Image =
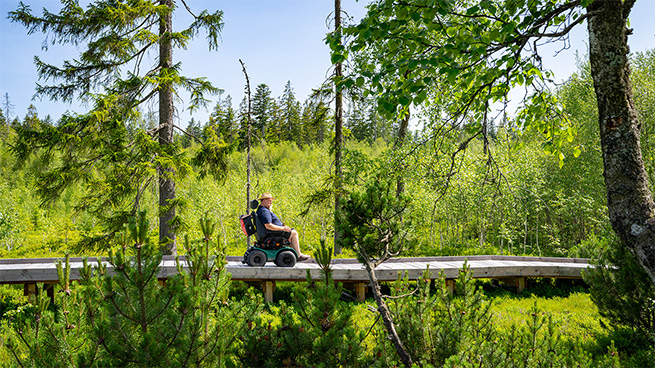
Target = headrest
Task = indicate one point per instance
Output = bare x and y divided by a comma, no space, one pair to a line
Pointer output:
254,204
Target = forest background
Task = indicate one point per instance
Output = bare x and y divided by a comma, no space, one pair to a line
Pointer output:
524,203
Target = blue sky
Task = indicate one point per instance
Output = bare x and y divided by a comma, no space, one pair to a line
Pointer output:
279,40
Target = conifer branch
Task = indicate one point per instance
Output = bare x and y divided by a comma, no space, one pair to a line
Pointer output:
16,358
163,309
189,134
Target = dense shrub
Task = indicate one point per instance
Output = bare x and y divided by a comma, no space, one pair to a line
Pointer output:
625,295
128,318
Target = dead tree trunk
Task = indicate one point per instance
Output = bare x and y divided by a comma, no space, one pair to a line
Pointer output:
248,134
387,319
400,141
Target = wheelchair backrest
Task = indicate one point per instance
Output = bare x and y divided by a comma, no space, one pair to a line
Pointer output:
261,229
249,223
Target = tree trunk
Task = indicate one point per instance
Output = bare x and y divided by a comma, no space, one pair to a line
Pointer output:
166,183
338,134
629,199
405,358
485,129
400,141
248,134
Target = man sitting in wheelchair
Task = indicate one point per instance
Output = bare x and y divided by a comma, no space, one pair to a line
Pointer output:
272,223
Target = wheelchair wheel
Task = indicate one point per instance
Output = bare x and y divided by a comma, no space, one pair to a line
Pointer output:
257,258
286,258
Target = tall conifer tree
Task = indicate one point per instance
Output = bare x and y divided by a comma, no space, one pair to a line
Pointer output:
261,109
110,74
290,110
338,121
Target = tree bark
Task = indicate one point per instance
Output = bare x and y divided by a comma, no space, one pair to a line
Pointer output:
629,199
400,141
387,319
166,183
338,132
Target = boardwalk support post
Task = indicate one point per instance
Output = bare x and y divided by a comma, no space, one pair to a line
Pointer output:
360,289
521,283
268,288
450,284
29,290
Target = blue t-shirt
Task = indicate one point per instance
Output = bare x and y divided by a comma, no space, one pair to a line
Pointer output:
268,217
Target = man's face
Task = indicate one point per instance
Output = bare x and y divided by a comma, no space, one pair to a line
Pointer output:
267,202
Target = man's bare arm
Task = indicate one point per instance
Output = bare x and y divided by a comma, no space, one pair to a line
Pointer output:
272,227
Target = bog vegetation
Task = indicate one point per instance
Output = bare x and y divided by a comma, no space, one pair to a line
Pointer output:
508,191
521,204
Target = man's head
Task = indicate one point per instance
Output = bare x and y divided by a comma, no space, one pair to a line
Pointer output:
266,200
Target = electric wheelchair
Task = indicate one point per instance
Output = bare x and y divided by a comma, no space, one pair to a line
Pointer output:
269,245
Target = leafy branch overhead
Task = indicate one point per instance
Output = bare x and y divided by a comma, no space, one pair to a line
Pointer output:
460,55
114,75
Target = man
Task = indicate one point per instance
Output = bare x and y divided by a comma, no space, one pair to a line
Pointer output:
272,223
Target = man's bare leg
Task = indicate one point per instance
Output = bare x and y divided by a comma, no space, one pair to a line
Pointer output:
295,243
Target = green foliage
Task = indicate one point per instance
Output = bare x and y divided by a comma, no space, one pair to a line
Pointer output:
516,201
282,334
643,76
467,329
434,324
10,298
370,221
317,329
634,348
623,292
458,55
534,343
127,318
475,215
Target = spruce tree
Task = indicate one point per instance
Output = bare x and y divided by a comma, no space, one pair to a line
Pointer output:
290,119
314,120
261,110
274,125
7,106
223,120
112,76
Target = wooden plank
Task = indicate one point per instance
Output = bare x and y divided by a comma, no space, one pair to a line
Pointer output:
44,270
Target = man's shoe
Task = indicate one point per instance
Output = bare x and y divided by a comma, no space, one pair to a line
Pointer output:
303,257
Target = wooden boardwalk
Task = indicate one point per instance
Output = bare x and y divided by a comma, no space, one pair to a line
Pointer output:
505,268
